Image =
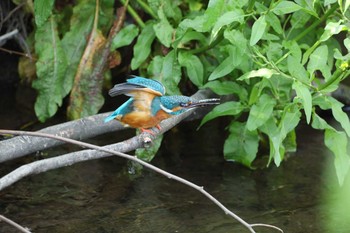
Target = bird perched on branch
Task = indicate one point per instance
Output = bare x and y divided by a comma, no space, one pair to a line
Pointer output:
148,106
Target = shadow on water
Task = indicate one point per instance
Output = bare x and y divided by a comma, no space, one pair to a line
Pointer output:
100,196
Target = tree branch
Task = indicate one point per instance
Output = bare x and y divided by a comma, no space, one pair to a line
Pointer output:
68,159
84,128
15,225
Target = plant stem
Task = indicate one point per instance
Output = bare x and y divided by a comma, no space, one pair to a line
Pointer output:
336,75
316,23
147,8
219,38
134,14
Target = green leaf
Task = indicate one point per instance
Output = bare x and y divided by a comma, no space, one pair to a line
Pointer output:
274,22
228,65
163,29
147,154
227,18
328,102
194,67
171,73
337,142
241,145
42,11
260,112
285,7
299,19
297,70
125,36
263,72
333,28
51,65
74,41
305,96
230,108
204,22
258,30
277,134
142,48
318,61
227,88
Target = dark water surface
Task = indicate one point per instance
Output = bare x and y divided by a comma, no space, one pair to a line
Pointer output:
100,195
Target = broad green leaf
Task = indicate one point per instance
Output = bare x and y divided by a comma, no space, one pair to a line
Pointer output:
74,41
147,154
163,29
339,114
294,49
319,123
227,18
194,67
50,68
308,6
299,19
263,72
274,22
227,88
333,28
260,112
337,142
277,134
297,70
125,36
305,97
318,61
204,22
230,108
346,5
285,7
171,73
258,30
42,10
328,102
142,48
274,51
86,97
236,38
228,65
329,2
241,145
154,69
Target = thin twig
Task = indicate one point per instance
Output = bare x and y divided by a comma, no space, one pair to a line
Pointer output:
12,223
132,158
8,35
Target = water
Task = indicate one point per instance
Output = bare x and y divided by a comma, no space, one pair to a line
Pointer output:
100,196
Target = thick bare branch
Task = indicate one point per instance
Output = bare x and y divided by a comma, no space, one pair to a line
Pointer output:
81,129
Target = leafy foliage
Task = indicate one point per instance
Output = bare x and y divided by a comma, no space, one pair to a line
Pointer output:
278,59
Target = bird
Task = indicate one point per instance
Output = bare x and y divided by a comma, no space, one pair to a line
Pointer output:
148,105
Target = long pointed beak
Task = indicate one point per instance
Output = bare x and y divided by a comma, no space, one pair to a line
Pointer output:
203,103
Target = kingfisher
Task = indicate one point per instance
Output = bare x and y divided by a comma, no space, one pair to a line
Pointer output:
148,105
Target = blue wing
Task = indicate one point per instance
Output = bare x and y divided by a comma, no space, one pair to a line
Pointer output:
122,110
138,84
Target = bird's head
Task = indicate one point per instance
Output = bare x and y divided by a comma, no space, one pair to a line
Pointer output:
178,104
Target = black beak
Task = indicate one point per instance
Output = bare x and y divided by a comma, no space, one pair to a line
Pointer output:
203,103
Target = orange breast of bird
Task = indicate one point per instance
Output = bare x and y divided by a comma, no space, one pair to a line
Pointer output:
141,116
